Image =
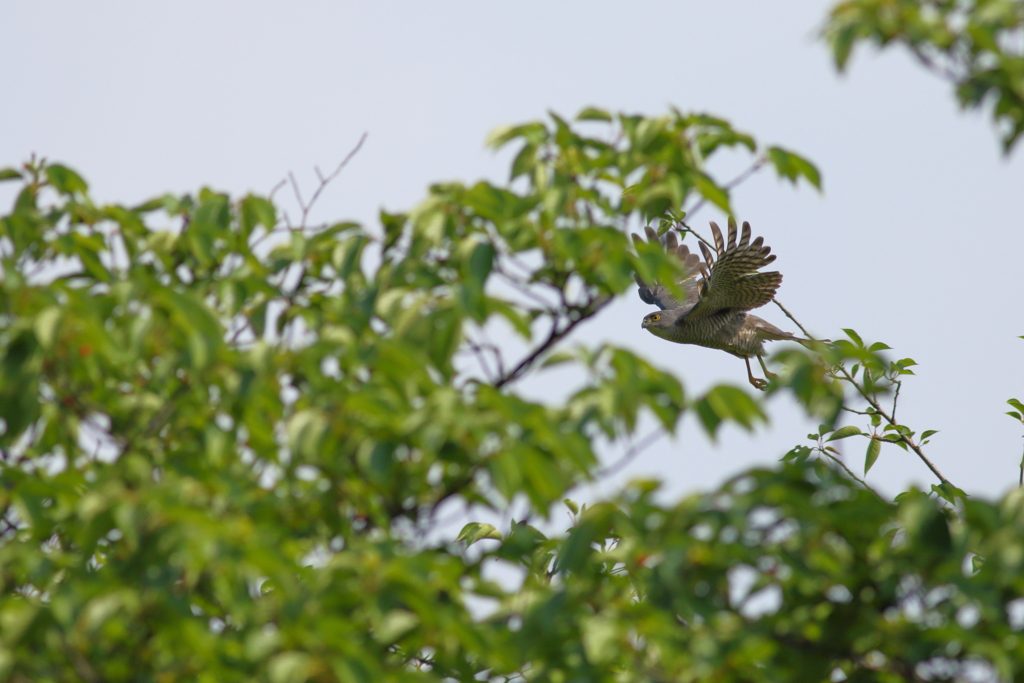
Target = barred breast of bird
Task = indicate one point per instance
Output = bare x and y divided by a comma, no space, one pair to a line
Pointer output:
724,332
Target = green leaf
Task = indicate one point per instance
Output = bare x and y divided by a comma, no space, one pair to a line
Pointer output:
577,548
257,211
594,114
481,261
290,667
396,624
524,163
854,336
476,531
792,167
46,325
9,174
558,358
728,403
948,492
797,454
533,132
65,180
844,432
711,191
874,448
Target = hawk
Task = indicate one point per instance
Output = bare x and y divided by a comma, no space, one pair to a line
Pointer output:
717,295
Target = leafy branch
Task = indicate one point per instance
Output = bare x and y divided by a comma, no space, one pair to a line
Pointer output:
868,390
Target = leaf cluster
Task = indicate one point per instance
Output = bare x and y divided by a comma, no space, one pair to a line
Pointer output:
974,44
796,573
225,439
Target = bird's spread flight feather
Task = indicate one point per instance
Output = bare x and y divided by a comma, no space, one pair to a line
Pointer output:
659,295
733,281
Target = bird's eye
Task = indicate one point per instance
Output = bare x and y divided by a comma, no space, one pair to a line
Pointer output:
655,317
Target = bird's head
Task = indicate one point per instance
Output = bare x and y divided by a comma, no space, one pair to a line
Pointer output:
657,323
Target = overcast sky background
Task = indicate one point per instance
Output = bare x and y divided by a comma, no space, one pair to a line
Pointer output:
916,240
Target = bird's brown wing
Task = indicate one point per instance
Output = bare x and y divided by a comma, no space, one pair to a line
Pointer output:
656,293
733,281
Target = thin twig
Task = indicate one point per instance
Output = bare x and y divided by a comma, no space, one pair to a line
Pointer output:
521,287
298,195
499,360
795,321
700,237
857,412
934,67
324,182
853,476
481,358
630,454
277,187
892,421
1021,483
896,397
761,161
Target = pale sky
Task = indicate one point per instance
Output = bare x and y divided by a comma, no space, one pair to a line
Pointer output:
916,241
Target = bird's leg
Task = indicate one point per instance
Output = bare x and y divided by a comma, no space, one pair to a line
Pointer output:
758,383
769,375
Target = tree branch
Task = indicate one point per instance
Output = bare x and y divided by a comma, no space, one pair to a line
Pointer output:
630,454
738,180
853,476
558,332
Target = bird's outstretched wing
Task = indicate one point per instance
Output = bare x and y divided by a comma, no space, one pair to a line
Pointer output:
656,293
732,281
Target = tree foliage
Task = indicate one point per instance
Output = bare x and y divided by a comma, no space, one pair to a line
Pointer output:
232,446
974,44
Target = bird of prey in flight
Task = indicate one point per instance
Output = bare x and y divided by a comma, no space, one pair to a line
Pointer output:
718,294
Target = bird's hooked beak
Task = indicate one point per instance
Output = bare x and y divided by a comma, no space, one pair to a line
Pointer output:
643,324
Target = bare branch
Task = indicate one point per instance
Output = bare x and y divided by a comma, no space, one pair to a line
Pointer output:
558,332
738,180
298,196
896,397
700,238
630,454
277,187
324,182
933,66
523,289
853,476
481,357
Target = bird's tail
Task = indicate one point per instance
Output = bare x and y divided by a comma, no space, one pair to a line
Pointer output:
768,332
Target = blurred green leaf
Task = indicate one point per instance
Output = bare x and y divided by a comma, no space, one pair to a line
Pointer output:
792,166
594,114
874,448
728,403
65,180
844,432
475,531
